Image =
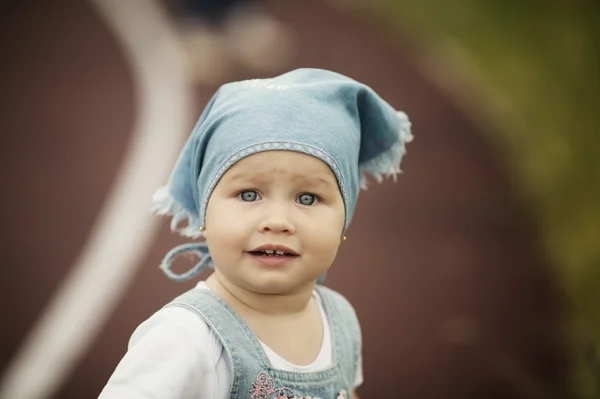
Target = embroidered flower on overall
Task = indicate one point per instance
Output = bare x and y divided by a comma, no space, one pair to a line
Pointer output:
264,388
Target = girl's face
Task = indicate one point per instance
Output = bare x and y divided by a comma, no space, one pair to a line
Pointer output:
275,200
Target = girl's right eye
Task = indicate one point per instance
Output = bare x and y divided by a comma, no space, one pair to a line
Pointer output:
249,196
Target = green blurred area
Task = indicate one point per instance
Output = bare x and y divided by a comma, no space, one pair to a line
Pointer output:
539,65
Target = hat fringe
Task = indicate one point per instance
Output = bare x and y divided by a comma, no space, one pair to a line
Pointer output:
387,164
163,203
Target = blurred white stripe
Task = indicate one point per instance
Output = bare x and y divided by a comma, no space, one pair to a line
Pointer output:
124,228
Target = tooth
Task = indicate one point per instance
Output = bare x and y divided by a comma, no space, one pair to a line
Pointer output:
269,251
280,252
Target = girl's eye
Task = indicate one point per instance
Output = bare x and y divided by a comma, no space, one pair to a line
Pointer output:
248,196
307,199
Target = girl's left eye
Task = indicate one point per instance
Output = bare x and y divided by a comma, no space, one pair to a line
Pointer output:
307,199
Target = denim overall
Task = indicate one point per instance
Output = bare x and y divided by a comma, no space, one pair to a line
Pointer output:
253,376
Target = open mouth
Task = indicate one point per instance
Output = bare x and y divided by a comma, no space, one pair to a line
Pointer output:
271,253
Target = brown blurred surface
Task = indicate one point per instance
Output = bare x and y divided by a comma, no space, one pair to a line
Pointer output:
442,267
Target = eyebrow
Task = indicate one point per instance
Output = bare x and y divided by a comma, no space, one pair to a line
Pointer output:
254,177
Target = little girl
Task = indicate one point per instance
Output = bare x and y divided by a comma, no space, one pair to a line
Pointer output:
270,178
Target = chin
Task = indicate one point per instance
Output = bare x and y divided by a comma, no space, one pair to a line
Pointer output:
276,286
272,287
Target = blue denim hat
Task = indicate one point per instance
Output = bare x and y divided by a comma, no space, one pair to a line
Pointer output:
336,119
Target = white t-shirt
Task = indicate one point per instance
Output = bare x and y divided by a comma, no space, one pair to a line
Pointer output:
175,355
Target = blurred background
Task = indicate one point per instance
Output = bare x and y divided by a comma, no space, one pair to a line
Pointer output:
476,275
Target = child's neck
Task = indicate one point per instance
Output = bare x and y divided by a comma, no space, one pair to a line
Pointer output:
244,300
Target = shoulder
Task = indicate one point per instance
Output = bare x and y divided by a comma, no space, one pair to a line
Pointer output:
179,327
337,301
172,354
343,310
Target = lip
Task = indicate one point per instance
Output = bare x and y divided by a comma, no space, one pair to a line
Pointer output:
273,261
272,247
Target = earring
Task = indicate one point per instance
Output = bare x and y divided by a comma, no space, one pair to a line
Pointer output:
343,238
202,228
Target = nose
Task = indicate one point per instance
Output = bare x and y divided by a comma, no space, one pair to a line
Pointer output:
277,222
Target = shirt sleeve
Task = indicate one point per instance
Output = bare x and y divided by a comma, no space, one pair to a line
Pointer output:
172,355
359,362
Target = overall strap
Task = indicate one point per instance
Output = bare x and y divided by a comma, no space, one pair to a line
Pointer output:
245,353
345,331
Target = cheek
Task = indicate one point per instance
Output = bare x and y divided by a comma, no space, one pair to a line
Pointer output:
324,235
220,215
326,249
225,246
225,228
338,219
